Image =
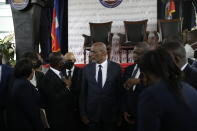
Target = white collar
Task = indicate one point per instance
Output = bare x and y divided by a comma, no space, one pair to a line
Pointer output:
183,67
33,80
56,72
72,69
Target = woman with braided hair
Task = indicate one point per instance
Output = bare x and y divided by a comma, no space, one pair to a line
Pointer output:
168,104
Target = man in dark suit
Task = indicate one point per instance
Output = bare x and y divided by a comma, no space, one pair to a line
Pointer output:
133,86
178,53
100,91
5,72
73,74
57,96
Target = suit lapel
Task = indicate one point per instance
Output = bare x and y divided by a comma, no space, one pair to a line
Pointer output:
109,73
75,73
55,77
93,72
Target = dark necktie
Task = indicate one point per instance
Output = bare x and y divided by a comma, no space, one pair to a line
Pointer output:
69,73
100,77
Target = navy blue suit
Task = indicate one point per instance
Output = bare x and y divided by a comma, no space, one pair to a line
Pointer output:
5,74
23,108
101,104
160,110
190,76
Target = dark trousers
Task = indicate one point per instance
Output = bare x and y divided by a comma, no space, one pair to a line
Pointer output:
2,119
132,127
128,127
101,126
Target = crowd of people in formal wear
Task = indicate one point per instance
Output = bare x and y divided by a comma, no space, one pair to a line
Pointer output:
156,93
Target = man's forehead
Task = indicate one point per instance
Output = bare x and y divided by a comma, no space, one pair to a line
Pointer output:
70,56
96,48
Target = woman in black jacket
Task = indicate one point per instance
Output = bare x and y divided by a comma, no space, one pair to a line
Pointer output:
23,109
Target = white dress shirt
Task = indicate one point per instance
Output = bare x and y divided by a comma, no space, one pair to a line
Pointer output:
183,67
72,70
0,72
137,75
56,72
104,71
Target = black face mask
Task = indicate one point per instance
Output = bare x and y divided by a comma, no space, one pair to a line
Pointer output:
68,65
37,64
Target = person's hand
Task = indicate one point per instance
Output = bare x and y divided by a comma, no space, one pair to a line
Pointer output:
131,82
126,117
85,120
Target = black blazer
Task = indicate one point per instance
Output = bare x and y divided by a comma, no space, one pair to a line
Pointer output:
23,107
6,72
130,98
190,76
76,86
101,104
39,76
58,101
76,80
160,110
5,75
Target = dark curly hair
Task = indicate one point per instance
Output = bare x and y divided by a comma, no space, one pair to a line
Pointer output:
23,68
